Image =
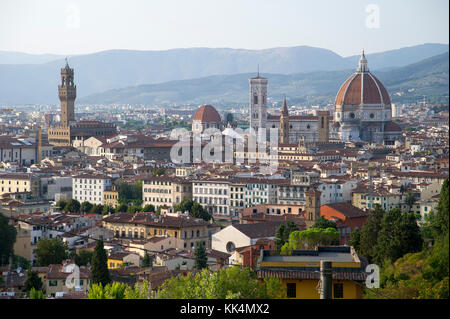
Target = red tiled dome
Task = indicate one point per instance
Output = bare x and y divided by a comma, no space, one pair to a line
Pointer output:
362,87
207,114
373,91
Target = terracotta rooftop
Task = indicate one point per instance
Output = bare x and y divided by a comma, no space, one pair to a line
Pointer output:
207,113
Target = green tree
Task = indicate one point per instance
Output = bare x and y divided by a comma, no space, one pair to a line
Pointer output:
115,290
282,234
122,208
229,283
61,204
355,240
33,281
108,209
72,206
8,235
36,294
147,261
398,236
410,200
439,221
130,193
310,239
195,209
324,223
369,233
133,209
86,207
99,265
148,208
83,258
201,259
21,262
97,209
50,251
158,172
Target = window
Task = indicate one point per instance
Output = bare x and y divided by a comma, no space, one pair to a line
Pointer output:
338,290
53,283
230,246
291,290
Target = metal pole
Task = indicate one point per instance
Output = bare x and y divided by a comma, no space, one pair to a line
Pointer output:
325,279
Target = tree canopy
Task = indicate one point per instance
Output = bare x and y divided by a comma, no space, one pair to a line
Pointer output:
8,235
324,223
50,251
419,275
310,239
130,193
195,209
33,281
99,265
72,206
399,235
282,234
201,259
229,283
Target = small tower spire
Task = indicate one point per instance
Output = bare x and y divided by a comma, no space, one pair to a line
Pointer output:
67,63
284,109
284,123
362,65
258,70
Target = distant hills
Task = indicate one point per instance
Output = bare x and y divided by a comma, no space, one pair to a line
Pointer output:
428,77
10,57
299,70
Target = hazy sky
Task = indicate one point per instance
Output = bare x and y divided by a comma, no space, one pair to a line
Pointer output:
344,26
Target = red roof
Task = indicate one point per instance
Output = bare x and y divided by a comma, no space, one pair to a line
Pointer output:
392,127
207,113
373,91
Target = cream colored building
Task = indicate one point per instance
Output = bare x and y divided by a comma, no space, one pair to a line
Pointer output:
20,182
184,229
165,191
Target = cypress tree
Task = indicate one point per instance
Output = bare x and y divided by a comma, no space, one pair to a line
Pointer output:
201,259
99,269
147,261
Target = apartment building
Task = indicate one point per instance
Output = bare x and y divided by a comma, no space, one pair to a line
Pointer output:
90,187
188,232
213,195
20,182
165,191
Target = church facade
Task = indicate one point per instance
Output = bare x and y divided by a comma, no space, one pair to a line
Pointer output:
291,128
362,112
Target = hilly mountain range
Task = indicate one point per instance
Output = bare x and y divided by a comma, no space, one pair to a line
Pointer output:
427,77
36,82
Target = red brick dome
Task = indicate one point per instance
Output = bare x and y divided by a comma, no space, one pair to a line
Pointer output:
362,87
207,114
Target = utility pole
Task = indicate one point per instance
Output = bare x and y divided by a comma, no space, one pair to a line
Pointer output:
326,278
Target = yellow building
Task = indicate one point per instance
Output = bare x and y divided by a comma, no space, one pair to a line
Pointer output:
20,182
188,232
111,197
119,259
115,262
300,272
165,191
